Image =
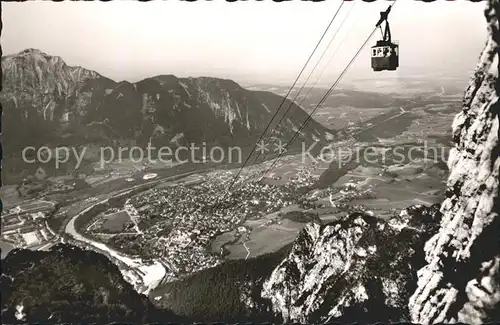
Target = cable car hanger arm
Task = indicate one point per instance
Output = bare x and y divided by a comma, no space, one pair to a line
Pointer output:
387,32
383,16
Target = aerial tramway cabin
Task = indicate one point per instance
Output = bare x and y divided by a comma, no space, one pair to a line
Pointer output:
385,53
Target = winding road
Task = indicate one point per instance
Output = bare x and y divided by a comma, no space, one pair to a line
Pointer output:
248,250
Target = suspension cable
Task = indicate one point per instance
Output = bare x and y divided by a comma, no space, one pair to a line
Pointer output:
317,106
278,109
305,82
322,100
320,75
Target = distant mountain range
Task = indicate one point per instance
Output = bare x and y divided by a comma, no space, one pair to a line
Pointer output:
43,97
47,102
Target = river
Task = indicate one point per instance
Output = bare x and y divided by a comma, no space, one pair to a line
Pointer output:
151,275
6,248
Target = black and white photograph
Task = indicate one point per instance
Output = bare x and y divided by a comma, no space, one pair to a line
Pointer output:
273,162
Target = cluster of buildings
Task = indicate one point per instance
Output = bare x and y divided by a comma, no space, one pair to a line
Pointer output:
35,186
187,218
28,230
60,186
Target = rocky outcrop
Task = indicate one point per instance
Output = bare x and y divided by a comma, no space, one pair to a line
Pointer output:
461,279
360,268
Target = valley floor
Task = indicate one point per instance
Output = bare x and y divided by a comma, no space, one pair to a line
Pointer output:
162,223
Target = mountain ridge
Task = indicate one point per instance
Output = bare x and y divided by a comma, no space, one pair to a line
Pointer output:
468,240
35,73
46,102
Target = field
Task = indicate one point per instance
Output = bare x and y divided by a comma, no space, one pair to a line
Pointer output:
401,186
336,117
264,235
386,126
398,175
398,191
266,239
9,195
115,222
262,238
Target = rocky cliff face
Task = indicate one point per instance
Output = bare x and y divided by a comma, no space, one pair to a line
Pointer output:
461,281
360,269
40,94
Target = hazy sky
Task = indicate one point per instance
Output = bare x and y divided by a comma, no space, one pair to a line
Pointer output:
246,40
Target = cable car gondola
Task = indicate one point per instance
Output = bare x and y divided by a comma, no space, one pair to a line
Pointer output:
385,53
